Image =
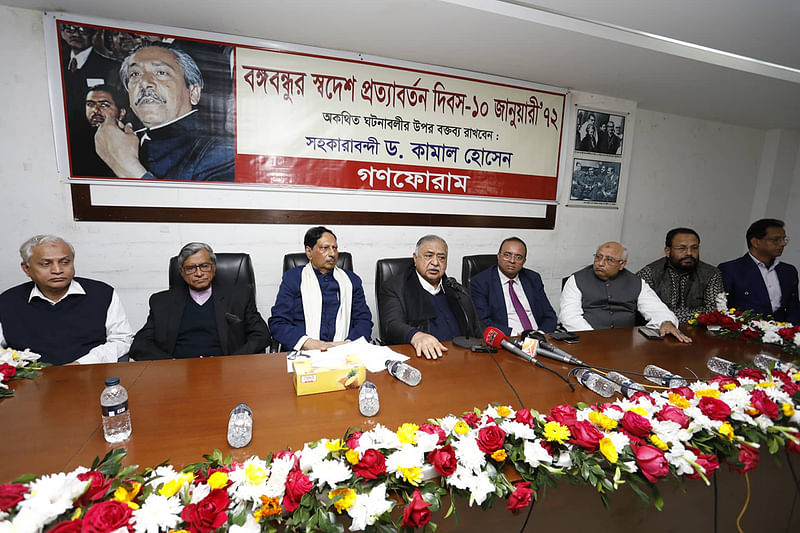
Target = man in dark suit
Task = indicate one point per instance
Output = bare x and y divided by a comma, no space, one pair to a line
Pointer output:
423,307
512,298
202,317
759,280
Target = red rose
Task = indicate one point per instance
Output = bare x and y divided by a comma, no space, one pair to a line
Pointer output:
721,380
520,498
713,408
7,371
673,414
752,373
564,414
524,416
748,457
651,462
371,465
760,400
352,440
208,514
98,485
585,435
786,333
471,419
727,322
106,516
70,526
636,395
416,513
297,484
443,460
636,424
708,462
491,438
709,319
11,494
433,429
749,334
686,392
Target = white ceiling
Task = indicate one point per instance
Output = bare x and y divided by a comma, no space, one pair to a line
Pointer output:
736,61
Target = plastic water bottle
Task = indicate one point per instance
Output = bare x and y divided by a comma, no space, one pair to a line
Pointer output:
659,376
721,366
240,426
767,362
116,415
405,373
626,385
368,402
595,382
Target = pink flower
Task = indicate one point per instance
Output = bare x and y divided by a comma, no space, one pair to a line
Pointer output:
651,462
520,498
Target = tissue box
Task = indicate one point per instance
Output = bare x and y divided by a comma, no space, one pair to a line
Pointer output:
312,376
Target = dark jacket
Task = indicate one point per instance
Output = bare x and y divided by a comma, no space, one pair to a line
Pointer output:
746,290
487,294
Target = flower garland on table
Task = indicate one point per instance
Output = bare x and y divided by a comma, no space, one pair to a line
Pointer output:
384,480
16,365
751,327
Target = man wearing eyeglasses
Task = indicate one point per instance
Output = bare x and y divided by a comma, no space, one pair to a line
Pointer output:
758,280
683,282
604,295
509,297
201,318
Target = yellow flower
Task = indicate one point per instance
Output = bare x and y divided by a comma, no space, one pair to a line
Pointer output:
692,321
641,411
732,310
599,419
218,480
499,455
127,496
660,444
351,456
413,474
334,445
77,514
553,431
697,315
407,433
503,411
710,393
608,450
461,427
347,497
726,430
796,376
766,384
788,409
171,488
254,474
178,531
678,401
270,507
729,386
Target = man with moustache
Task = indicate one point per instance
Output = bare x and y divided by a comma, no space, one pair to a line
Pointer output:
102,102
758,280
320,305
164,86
63,318
604,295
683,282
200,318
423,307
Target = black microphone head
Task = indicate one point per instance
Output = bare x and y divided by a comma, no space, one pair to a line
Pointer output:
532,334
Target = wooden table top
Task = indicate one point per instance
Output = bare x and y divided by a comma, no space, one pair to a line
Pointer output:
180,408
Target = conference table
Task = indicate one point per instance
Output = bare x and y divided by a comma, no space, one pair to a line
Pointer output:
180,411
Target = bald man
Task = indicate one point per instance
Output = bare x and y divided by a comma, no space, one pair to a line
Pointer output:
604,295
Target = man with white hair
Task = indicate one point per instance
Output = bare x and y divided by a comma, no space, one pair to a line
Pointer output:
604,295
63,318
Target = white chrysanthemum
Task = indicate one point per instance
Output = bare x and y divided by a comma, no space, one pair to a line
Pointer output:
157,513
330,472
740,416
448,423
379,437
535,454
405,457
583,414
468,453
49,496
249,480
777,395
250,526
614,414
427,442
276,484
678,457
26,521
310,457
491,411
670,432
772,337
518,429
698,421
368,507
746,382
738,399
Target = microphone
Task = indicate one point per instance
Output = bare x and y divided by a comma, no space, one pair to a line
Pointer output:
495,337
546,349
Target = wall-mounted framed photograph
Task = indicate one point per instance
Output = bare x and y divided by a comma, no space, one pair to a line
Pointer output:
598,132
594,182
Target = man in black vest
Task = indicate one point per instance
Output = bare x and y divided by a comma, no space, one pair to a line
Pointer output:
423,307
62,318
604,295
200,318
683,282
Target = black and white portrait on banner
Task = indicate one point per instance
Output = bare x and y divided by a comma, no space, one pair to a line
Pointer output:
595,182
599,133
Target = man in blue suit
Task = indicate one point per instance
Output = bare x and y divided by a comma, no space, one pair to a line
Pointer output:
512,298
759,280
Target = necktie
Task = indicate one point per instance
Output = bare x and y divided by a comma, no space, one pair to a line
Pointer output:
73,65
523,316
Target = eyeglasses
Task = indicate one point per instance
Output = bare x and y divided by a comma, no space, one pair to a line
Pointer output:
776,240
508,256
600,258
74,29
204,267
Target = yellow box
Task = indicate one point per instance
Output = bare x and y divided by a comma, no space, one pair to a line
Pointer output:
324,376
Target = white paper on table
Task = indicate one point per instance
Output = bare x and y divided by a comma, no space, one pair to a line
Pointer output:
374,357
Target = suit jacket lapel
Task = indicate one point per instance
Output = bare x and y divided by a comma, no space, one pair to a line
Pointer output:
758,281
221,297
496,296
177,303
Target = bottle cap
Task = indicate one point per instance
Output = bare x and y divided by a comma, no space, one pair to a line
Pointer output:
110,382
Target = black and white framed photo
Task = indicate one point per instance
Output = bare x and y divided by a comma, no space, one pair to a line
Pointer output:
595,182
598,132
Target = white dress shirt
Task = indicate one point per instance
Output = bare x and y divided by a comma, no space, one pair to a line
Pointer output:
770,277
513,319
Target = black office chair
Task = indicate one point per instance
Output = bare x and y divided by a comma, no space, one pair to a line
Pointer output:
290,261
473,264
386,269
232,269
